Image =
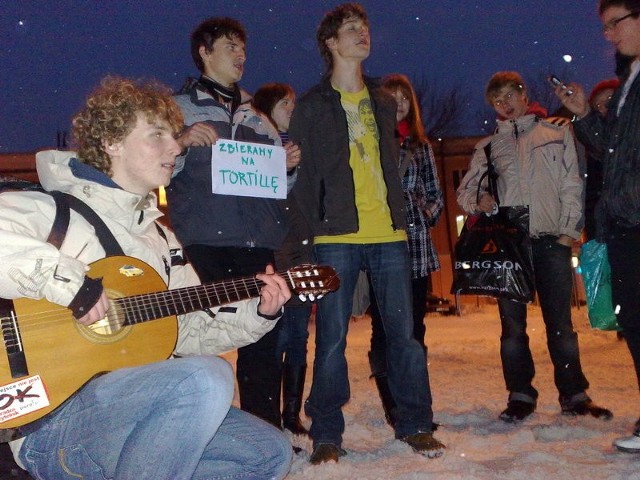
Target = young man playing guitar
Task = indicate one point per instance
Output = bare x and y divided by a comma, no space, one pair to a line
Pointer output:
165,420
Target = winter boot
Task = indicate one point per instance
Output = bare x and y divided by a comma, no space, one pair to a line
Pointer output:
292,388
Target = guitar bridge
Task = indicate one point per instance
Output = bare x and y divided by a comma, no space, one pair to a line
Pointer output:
12,340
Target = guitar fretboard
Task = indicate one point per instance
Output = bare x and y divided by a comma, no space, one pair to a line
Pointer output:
150,306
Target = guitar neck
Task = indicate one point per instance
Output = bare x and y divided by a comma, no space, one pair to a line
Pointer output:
150,306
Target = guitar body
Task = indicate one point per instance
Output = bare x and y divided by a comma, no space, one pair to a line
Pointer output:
46,355
65,354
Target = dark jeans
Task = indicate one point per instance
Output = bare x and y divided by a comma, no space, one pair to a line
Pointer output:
624,256
388,266
258,369
294,333
378,353
553,281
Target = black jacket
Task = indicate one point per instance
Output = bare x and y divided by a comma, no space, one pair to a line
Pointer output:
617,138
324,190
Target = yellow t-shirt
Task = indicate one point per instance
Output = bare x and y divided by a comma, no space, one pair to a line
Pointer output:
374,217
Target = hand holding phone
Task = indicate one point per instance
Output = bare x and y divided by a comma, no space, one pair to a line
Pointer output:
556,82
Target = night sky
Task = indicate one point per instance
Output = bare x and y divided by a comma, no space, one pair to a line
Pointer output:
53,52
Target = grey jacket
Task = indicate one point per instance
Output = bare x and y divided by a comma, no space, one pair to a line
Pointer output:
537,166
201,217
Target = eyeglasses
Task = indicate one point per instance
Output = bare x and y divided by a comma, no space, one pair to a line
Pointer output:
612,24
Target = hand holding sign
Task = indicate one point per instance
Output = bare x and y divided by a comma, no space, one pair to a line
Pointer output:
293,155
199,134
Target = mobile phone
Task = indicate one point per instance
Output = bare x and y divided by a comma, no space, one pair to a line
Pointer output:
556,82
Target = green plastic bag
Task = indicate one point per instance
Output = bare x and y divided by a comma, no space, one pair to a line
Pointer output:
596,272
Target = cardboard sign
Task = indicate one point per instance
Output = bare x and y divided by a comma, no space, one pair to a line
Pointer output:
248,169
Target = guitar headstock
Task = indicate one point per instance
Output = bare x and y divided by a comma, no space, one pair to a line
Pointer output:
312,281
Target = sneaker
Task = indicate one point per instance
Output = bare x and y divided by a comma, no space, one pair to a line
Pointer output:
629,444
425,444
587,407
326,452
516,411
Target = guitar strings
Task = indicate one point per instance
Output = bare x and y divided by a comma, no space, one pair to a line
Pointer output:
188,296
189,299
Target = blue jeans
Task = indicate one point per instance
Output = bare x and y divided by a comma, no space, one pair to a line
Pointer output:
167,420
378,352
294,333
553,281
390,272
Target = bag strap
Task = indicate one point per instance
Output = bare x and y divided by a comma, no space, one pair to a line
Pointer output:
106,238
406,158
492,177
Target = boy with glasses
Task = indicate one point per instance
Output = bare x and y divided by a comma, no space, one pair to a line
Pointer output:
617,214
537,166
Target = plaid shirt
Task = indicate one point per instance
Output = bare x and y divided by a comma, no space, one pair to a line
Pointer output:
424,205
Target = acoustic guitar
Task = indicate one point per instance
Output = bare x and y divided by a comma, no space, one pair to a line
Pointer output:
48,355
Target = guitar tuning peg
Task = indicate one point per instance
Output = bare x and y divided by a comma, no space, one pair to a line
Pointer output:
303,298
312,297
320,296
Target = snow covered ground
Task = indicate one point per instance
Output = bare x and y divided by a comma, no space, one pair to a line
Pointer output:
468,391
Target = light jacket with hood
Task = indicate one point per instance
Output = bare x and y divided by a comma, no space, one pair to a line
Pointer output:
537,166
28,263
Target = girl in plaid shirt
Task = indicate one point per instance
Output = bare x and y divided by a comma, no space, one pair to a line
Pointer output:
424,203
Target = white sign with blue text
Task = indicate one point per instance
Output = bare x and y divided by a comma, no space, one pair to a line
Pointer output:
248,169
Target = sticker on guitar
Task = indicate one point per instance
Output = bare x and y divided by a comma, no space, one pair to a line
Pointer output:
22,397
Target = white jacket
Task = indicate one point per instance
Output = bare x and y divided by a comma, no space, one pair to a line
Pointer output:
28,262
537,166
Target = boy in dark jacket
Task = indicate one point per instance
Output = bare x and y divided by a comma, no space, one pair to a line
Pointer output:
350,193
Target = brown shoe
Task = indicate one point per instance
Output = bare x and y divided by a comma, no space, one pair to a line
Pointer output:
425,444
326,452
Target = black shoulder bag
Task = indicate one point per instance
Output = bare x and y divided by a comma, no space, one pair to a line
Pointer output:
493,251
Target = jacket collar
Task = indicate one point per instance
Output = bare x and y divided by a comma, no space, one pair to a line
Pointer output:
63,171
519,125
200,94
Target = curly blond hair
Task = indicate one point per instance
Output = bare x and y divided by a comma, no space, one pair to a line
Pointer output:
111,113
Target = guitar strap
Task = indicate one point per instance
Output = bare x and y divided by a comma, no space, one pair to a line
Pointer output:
64,202
60,222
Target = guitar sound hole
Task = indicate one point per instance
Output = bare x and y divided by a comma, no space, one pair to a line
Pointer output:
106,326
107,330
